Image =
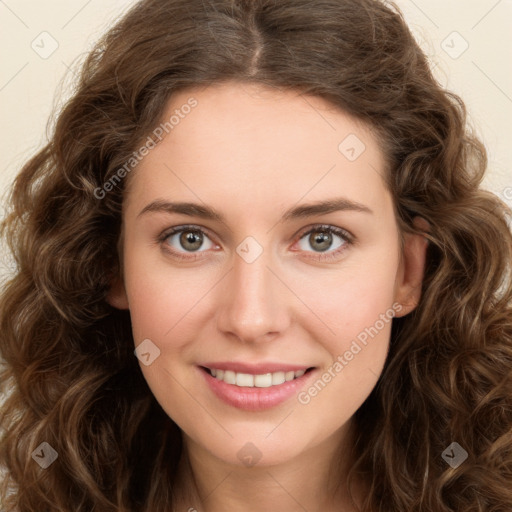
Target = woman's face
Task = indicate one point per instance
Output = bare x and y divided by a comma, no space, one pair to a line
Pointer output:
255,283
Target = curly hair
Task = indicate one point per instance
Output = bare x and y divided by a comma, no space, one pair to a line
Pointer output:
69,372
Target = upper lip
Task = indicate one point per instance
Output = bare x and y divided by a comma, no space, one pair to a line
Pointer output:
255,369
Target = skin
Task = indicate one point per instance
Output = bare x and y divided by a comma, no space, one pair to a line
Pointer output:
251,153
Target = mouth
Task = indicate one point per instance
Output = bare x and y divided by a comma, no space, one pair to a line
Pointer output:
251,380
254,388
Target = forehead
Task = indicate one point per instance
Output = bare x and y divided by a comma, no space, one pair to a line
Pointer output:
266,143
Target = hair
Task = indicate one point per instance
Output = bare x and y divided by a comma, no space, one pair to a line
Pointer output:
69,373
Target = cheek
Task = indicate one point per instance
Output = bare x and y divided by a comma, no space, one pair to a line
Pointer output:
359,311
161,299
351,300
357,306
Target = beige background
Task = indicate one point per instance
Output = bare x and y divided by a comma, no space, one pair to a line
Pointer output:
31,77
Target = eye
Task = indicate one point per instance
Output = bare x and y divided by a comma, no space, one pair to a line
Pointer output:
186,239
185,242
322,238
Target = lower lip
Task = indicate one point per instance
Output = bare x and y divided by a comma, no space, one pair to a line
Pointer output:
254,399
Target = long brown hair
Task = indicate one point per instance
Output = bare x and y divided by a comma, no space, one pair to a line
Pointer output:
69,370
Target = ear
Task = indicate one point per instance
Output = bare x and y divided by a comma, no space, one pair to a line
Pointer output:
412,267
117,296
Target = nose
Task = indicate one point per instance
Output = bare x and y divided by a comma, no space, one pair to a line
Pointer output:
253,302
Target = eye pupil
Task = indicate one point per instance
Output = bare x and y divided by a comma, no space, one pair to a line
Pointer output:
192,237
324,239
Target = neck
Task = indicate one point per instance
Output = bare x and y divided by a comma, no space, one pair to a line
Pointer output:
315,480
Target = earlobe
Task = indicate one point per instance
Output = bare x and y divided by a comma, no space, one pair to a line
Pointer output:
117,296
412,268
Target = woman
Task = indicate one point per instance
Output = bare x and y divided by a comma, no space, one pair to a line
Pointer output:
256,269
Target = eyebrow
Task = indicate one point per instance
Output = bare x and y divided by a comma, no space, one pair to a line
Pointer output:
297,212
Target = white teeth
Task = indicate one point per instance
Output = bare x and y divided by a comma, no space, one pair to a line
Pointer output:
263,381
247,380
278,378
229,377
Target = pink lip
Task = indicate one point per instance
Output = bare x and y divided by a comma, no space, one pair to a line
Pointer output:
255,369
254,399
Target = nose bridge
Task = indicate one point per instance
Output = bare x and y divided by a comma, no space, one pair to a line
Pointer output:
252,304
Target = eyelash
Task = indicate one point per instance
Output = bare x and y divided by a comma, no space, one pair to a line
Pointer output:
320,256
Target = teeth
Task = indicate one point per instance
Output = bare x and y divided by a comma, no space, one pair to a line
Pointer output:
247,380
229,377
263,381
277,378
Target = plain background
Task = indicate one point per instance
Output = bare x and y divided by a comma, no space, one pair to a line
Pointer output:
469,44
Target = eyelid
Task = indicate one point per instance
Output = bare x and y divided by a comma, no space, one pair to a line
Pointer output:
327,227
185,227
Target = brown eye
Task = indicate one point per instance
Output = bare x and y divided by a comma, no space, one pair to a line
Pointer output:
320,240
191,240
325,242
183,240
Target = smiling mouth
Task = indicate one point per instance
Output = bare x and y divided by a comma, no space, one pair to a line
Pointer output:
248,380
